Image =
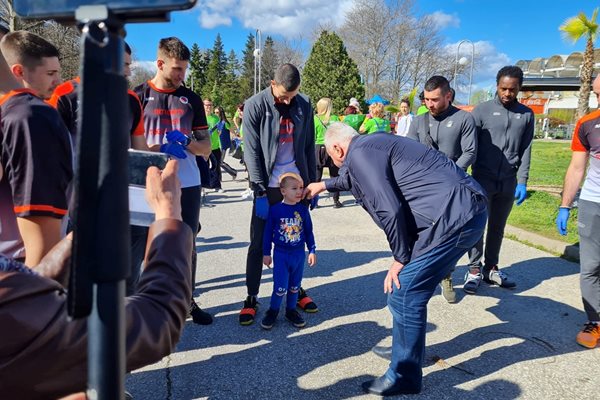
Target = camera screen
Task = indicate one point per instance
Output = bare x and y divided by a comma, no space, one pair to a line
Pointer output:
65,8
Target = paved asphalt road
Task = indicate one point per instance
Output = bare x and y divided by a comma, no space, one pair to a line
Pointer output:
499,344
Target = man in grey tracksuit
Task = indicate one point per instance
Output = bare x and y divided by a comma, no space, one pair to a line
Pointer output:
278,138
449,130
502,167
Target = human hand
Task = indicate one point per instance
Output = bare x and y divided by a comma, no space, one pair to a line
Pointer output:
267,261
173,149
520,193
163,191
392,277
312,259
261,206
561,220
313,190
177,136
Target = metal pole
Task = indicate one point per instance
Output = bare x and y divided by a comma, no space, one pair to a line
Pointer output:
471,75
455,83
259,60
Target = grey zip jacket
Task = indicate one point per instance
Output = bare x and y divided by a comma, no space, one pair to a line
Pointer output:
505,137
261,138
453,131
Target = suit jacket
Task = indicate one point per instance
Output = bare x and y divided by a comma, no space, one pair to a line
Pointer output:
43,354
417,195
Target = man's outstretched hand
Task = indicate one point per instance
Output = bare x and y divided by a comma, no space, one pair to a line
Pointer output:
313,190
163,191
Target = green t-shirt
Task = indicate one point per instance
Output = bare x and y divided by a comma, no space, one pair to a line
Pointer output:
213,120
372,125
354,120
422,110
321,127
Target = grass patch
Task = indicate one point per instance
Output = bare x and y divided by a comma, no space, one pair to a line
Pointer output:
549,162
528,243
538,213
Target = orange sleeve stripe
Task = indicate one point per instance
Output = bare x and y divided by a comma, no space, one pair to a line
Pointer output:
61,90
139,129
15,92
199,128
39,207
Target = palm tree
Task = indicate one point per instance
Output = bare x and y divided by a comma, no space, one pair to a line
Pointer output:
573,29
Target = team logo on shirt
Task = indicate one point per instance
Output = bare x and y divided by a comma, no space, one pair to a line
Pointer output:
496,113
184,100
518,116
449,124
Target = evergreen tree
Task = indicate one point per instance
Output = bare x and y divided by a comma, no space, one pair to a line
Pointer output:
246,79
270,62
215,72
330,72
230,87
197,72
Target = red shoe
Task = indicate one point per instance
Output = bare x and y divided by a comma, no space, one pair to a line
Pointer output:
248,312
306,303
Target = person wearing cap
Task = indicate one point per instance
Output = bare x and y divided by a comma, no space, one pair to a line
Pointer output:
288,228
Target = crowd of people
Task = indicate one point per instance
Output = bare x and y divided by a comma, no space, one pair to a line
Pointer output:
412,180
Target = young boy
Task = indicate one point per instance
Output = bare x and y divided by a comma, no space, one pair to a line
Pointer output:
289,227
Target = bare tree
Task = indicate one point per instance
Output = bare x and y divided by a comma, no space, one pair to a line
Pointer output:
65,38
290,51
139,75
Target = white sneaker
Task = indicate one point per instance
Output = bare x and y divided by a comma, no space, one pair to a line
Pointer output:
472,282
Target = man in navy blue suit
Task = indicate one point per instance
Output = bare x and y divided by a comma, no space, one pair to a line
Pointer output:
431,211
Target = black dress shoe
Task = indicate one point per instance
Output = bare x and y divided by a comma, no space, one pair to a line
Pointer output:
383,352
382,386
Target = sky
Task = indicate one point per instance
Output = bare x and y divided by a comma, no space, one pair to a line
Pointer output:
503,32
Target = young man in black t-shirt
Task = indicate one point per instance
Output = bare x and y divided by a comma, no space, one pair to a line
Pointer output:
35,154
169,106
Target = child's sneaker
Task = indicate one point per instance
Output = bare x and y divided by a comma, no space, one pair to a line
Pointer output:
589,336
269,320
248,311
306,303
294,317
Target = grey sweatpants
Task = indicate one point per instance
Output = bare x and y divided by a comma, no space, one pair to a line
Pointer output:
501,195
589,255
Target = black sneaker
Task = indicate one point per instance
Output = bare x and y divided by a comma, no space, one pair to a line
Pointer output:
269,320
199,316
294,317
337,204
248,312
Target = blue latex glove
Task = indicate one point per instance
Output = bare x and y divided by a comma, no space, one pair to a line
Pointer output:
314,202
176,136
520,193
261,206
561,220
173,149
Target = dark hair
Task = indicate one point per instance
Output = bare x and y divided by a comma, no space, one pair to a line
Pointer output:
437,82
405,100
172,47
221,112
453,94
350,110
26,48
127,48
422,96
512,71
288,76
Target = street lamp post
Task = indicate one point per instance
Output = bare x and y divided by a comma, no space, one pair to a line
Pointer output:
257,61
464,61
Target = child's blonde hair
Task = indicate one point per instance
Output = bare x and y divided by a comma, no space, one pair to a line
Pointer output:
284,179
